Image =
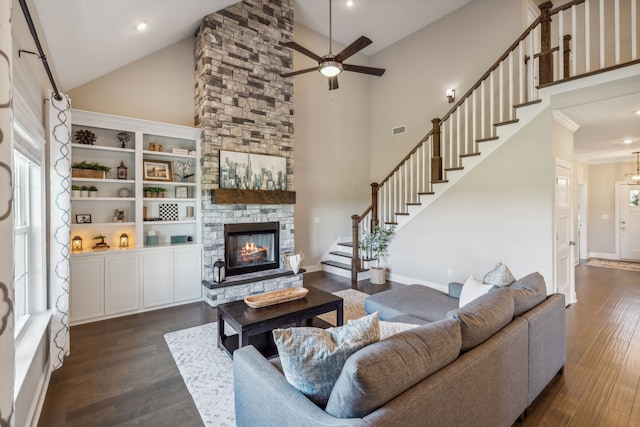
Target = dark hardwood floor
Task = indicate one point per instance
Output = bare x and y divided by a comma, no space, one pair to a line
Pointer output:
121,373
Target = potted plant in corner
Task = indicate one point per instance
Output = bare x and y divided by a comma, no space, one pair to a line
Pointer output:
376,243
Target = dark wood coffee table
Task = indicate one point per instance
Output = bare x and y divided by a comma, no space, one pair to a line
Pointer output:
254,325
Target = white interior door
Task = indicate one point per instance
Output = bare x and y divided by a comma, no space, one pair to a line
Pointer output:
564,270
629,214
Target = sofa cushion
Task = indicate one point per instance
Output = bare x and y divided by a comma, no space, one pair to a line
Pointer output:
405,318
415,300
483,317
528,292
379,372
500,276
312,358
471,290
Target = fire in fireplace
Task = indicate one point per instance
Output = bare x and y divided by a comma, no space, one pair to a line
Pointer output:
251,247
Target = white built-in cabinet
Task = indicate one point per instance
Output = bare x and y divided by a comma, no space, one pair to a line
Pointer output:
117,281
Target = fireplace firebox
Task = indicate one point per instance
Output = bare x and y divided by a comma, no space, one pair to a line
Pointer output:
251,247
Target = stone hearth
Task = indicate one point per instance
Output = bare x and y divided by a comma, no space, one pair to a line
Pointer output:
244,105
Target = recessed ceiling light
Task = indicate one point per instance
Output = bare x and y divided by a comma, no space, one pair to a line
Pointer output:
350,3
638,112
627,141
141,26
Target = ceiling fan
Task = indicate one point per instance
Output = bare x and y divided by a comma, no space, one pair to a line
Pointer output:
331,65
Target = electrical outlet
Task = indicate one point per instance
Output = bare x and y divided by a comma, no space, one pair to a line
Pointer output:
449,272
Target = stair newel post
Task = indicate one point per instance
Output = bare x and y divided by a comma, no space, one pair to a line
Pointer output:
374,205
546,56
355,249
436,157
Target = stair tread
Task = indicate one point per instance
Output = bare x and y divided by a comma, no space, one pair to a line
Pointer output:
413,203
459,168
402,213
348,255
391,223
491,138
341,265
442,181
507,122
426,193
470,154
524,104
347,244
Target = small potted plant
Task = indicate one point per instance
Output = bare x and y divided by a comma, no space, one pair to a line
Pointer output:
75,191
376,243
161,191
84,191
93,191
147,192
101,244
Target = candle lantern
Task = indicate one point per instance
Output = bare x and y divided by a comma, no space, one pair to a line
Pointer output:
122,171
219,273
124,240
76,243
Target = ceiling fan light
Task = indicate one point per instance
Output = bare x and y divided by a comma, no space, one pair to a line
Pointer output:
330,68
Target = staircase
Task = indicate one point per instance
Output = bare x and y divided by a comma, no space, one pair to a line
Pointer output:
504,100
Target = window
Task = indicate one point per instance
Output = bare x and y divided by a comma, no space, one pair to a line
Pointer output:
29,246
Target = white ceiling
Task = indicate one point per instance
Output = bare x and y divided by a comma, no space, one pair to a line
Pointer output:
90,38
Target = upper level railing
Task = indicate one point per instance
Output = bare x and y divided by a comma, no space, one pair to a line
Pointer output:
574,40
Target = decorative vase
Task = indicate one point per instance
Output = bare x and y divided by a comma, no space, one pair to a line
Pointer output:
75,193
295,260
84,193
93,193
378,275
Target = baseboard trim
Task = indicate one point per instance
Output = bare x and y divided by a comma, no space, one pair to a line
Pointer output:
604,255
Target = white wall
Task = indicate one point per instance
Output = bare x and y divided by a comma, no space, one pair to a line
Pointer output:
501,211
331,150
158,87
453,52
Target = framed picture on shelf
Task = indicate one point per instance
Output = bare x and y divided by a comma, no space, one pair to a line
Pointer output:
182,192
83,219
120,215
157,170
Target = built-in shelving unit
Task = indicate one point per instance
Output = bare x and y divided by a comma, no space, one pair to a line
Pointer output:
172,212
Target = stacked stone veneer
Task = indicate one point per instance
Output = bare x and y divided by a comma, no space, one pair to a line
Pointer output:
244,105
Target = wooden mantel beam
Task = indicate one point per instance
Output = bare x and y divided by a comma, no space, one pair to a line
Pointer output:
224,196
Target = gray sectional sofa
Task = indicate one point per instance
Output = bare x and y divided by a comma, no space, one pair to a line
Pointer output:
478,365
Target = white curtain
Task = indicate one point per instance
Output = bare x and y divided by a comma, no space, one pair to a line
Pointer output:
7,372
59,137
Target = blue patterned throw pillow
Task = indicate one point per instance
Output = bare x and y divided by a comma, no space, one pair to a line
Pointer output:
312,358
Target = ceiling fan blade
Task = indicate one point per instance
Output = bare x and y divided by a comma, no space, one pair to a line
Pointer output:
333,83
295,73
302,50
353,48
364,70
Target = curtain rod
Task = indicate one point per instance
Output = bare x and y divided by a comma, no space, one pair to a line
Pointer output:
41,55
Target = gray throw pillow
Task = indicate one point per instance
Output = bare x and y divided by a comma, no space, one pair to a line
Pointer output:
312,358
500,276
379,372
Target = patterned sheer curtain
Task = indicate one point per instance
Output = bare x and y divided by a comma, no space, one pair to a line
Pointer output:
6,219
59,133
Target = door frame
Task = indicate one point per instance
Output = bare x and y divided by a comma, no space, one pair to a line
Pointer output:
583,247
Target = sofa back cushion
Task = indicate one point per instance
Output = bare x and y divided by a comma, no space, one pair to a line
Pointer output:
381,371
528,292
483,317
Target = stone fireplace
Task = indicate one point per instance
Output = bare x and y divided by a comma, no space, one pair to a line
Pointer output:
244,105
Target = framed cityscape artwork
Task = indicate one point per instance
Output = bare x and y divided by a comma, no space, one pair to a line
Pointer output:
245,171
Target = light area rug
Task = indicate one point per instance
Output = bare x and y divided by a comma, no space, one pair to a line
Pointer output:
208,371
620,265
